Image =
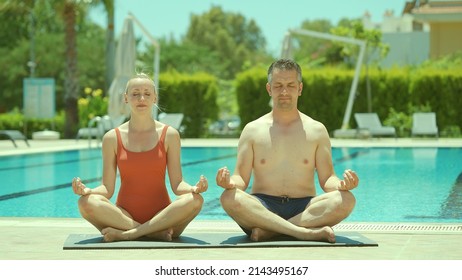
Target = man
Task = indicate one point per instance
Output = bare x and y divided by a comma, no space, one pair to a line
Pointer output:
283,149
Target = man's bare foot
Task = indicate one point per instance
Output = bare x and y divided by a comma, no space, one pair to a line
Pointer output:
259,234
319,234
164,235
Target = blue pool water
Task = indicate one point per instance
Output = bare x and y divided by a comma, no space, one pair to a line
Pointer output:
396,184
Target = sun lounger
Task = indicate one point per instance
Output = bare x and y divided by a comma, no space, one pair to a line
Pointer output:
14,135
371,122
424,124
97,127
172,119
91,131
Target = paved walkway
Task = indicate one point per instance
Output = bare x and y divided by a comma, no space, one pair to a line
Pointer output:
43,239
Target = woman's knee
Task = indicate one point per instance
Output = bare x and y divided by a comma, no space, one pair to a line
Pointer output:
194,201
198,201
87,203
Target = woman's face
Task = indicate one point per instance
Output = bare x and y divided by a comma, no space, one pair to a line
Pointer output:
141,94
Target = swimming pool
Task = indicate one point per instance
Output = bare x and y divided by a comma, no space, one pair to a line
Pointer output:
397,184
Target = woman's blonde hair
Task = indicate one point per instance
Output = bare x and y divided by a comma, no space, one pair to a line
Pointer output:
140,76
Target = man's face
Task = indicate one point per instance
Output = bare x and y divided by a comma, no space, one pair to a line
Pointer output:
284,89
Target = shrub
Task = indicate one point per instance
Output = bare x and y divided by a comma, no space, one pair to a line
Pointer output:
91,105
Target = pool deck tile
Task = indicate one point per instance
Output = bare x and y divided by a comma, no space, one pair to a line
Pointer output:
38,146
43,239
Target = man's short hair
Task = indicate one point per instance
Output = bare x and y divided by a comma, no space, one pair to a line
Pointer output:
284,64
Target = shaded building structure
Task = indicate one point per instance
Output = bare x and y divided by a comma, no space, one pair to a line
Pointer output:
445,20
423,30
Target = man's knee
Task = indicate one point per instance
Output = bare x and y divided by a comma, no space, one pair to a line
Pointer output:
228,199
347,201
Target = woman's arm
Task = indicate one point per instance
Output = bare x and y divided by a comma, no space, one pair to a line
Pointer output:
109,150
173,149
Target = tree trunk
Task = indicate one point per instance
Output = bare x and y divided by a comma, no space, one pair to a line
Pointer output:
71,86
110,43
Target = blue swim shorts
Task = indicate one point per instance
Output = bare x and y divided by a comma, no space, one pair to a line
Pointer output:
282,206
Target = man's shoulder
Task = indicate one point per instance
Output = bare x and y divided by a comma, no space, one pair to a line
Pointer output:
307,120
315,127
257,122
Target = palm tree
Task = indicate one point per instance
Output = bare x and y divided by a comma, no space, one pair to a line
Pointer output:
110,43
68,10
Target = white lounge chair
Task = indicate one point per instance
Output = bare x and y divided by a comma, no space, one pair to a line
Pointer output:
371,122
172,119
14,135
98,126
424,124
93,130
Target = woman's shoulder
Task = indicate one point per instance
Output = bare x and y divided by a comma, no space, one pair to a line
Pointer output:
111,134
171,134
109,141
160,126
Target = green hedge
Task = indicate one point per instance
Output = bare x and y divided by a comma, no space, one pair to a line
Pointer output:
442,90
325,94
193,95
16,121
395,94
252,97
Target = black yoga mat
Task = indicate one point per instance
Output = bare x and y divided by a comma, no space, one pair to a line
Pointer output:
211,240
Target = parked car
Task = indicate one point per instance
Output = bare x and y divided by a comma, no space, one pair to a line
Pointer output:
225,126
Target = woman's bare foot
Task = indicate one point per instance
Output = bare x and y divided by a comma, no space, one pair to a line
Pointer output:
112,234
164,235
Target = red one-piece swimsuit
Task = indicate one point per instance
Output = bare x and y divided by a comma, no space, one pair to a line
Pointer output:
142,174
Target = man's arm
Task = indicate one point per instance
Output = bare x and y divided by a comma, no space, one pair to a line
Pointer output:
243,170
325,169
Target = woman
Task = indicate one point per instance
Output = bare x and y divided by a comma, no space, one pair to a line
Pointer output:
142,149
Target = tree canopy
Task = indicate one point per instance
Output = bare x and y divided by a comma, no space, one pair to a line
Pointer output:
236,40
217,42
